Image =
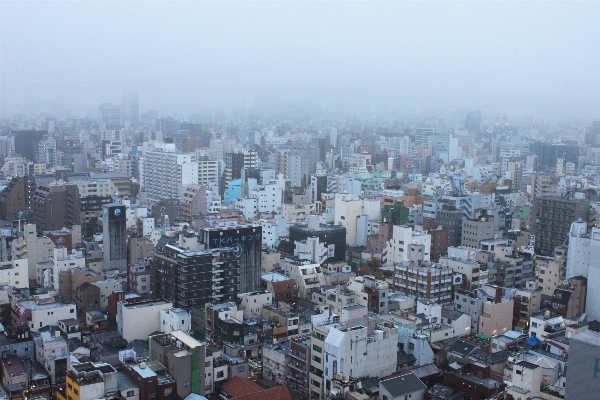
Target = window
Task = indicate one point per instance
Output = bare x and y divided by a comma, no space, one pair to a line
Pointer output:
411,346
187,383
241,369
317,348
152,394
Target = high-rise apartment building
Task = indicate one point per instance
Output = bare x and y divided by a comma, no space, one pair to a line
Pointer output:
55,206
552,218
208,170
297,164
190,278
543,185
165,174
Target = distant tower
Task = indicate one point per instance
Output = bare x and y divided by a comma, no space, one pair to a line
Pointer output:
130,108
114,224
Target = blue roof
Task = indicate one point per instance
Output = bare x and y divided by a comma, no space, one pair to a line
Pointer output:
533,341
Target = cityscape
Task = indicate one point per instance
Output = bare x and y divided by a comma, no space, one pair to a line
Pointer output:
294,201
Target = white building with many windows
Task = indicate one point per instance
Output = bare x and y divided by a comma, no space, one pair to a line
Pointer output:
165,174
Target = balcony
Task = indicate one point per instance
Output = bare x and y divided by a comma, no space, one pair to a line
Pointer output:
553,328
297,366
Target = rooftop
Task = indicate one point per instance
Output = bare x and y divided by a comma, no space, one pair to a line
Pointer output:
145,304
589,336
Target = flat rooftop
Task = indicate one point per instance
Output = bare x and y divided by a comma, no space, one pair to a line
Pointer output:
145,304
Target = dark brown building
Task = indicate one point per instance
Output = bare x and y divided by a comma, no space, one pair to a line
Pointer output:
120,295
16,197
55,206
475,380
568,299
285,290
189,278
440,238
87,298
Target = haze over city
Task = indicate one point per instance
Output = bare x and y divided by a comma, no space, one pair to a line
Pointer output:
531,60
289,200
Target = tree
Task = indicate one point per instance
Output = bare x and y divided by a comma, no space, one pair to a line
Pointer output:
365,270
374,263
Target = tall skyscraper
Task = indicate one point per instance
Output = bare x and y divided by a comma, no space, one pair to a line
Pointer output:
114,224
130,108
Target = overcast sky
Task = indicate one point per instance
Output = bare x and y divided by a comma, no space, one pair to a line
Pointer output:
540,59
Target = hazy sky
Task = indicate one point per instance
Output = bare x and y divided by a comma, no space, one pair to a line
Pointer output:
536,58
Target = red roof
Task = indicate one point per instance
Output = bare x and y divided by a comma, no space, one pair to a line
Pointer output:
237,386
284,286
276,393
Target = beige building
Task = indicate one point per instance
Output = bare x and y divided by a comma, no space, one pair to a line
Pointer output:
474,231
528,301
139,320
71,279
270,260
547,273
295,212
140,250
496,318
35,249
15,273
107,287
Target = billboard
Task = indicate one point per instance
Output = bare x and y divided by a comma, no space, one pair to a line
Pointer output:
331,251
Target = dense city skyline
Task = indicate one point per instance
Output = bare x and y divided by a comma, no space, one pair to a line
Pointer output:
299,200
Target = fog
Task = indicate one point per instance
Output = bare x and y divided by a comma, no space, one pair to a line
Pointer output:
524,58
